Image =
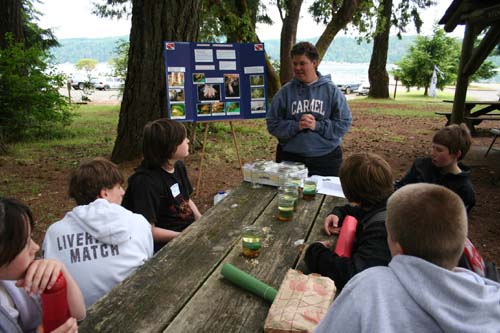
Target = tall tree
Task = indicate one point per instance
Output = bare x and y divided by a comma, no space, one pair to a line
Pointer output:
387,16
377,73
144,94
336,14
11,20
289,13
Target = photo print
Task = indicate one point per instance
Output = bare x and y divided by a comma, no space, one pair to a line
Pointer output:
257,92
258,107
232,86
176,79
256,80
203,110
232,108
218,109
176,95
178,111
209,92
199,78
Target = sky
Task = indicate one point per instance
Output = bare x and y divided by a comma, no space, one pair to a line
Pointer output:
73,19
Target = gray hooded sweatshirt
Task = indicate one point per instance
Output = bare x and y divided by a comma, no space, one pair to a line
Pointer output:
413,295
101,244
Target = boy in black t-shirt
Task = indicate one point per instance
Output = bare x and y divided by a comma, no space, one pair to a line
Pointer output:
160,189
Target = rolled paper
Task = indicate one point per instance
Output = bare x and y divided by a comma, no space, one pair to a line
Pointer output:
248,282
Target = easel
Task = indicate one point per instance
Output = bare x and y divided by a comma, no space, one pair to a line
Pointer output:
200,163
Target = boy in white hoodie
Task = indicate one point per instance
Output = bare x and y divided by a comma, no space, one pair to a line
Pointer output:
421,290
99,241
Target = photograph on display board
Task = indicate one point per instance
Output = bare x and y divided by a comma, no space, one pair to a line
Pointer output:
176,95
256,80
257,92
232,86
258,106
218,109
209,92
203,110
232,108
178,111
199,78
176,79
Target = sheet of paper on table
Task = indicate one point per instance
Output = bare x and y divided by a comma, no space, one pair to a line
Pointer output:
329,186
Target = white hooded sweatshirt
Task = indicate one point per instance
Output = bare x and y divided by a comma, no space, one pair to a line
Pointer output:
414,295
101,244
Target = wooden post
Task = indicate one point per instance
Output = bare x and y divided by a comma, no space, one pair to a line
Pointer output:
236,146
396,78
200,163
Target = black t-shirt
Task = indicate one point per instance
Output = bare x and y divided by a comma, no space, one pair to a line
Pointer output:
161,197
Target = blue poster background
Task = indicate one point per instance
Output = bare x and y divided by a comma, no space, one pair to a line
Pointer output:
215,81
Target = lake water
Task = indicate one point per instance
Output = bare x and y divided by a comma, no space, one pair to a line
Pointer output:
341,72
358,72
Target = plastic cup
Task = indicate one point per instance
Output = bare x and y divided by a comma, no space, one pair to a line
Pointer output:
310,189
285,207
252,241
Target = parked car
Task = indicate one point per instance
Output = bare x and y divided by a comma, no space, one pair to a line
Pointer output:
363,89
107,82
348,88
79,82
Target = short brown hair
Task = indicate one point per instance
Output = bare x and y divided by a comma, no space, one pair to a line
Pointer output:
160,141
91,177
454,137
305,48
15,220
429,221
366,178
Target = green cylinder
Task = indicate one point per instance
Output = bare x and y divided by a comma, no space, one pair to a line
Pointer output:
248,282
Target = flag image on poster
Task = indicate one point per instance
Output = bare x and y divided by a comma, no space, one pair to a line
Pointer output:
212,81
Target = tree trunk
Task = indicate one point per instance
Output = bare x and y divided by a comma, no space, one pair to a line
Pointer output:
339,20
144,96
288,37
377,72
11,21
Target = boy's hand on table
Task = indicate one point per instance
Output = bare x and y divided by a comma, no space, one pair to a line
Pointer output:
332,225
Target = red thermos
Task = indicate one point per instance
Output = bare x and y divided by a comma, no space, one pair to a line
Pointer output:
55,305
347,235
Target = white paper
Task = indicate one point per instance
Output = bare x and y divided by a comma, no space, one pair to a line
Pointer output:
225,54
176,69
203,55
254,70
227,65
205,67
329,186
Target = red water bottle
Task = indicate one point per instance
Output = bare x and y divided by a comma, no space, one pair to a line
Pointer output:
347,235
55,305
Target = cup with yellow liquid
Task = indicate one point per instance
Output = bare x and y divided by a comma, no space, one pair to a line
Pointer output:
285,207
252,241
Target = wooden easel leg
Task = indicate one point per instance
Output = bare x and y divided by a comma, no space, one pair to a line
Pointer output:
200,164
236,146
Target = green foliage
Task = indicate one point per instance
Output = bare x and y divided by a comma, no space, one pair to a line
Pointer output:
120,62
416,67
30,104
415,70
88,65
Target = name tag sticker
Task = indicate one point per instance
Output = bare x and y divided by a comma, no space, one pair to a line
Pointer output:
175,190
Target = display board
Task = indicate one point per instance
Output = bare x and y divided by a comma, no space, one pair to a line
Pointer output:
214,81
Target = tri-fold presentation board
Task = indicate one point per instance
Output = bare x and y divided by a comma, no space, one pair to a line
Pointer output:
215,81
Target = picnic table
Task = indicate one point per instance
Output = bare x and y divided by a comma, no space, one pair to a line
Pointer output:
181,288
487,111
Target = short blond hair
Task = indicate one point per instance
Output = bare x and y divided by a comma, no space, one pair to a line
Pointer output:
428,221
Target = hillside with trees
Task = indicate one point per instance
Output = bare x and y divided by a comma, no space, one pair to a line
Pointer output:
343,49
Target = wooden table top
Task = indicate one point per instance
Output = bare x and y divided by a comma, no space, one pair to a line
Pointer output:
181,289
